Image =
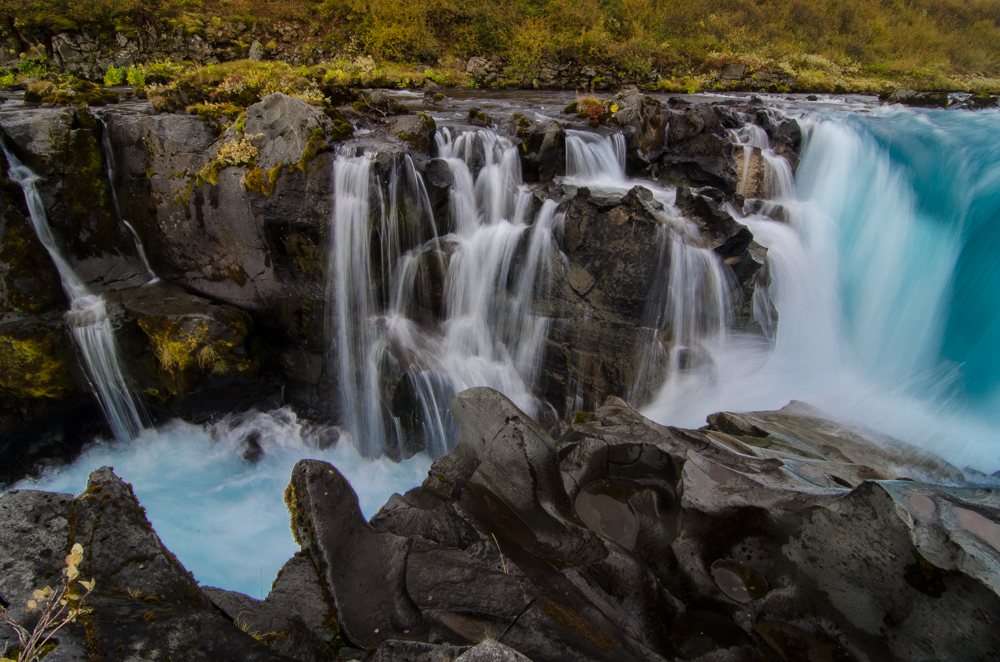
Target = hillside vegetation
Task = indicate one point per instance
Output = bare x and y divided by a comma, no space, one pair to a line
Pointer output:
864,44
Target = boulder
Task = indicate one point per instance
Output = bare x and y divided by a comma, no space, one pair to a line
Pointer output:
644,121
363,570
293,131
145,604
543,148
416,130
38,359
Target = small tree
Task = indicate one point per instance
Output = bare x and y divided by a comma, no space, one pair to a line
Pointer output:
56,609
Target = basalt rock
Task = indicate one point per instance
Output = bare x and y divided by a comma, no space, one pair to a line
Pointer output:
145,604
698,151
644,121
542,147
599,293
772,535
190,337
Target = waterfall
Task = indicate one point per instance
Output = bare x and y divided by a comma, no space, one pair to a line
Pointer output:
687,324
458,311
109,159
87,317
594,160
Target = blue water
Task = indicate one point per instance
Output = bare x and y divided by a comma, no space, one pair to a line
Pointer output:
222,516
887,283
918,234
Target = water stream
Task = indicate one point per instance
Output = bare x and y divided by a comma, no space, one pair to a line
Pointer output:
109,160
87,318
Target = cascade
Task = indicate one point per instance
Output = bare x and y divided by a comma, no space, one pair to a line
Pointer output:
595,160
87,318
109,159
880,276
406,357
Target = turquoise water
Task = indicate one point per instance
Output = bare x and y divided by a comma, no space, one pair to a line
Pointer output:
886,279
915,199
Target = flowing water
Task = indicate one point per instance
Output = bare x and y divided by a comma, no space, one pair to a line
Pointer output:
404,368
885,282
87,318
109,160
883,272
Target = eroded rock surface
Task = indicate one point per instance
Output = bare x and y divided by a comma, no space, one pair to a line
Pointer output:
763,536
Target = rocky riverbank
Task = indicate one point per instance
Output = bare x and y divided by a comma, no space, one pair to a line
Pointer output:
771,535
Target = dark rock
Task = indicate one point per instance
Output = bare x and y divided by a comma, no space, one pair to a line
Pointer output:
296,618
644,122
917,99
62,146
417,130
543,148
288,126
599,294
327,523
698,149
145,603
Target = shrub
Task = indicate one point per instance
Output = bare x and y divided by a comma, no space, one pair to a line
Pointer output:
55,610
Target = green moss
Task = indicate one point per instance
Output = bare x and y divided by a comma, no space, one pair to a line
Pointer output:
257,181
217,115
191,347
34,362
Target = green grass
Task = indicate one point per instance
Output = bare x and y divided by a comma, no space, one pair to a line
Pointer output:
863,45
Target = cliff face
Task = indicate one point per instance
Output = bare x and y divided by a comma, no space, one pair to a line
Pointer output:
235,219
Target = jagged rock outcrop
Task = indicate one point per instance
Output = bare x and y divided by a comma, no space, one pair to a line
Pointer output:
145,604
776,535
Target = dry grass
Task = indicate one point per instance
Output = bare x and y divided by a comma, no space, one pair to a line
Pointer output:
862,43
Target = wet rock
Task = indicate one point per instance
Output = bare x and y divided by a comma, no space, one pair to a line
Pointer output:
145,603
416,130
191,338
751,172
543,148
698,150
644,121
62,146
29,282
599,295
917,99
38,359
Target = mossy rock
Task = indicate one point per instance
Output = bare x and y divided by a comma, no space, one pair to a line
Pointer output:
36,359
78,93
192,338
417,130
217,115
30,282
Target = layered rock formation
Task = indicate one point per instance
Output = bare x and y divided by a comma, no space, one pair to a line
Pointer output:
773,535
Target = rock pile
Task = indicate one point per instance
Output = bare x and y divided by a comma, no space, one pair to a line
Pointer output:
773,535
